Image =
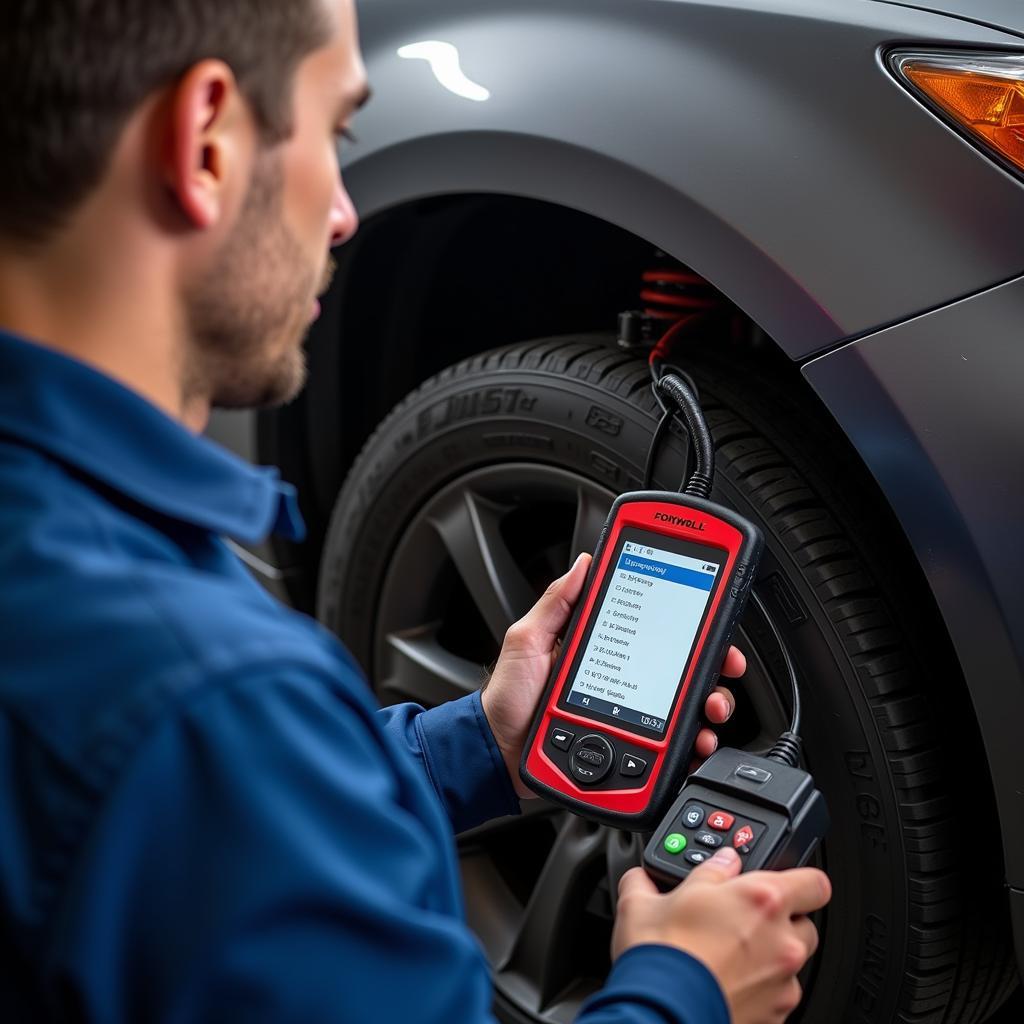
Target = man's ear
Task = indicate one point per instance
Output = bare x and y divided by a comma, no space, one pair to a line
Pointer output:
209,144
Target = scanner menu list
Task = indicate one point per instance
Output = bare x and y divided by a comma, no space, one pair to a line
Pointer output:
642,634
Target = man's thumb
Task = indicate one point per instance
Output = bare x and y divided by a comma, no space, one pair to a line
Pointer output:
547,618
723,865
572,582
636,881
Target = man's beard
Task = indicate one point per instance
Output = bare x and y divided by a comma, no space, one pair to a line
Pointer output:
248,313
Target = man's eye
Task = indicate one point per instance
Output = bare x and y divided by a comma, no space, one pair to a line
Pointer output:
344,133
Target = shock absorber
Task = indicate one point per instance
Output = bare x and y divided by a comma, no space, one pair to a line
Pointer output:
672,295
673,299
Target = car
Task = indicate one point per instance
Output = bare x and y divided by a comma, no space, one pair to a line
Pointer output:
824,200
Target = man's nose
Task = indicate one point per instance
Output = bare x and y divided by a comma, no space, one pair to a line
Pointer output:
344,219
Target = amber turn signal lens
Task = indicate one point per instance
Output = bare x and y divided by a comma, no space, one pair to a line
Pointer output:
984,95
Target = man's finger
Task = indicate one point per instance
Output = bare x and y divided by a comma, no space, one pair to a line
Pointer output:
720,705
807,934
705,744
804,889
735,663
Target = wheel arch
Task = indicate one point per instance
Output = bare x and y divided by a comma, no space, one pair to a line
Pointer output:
432,280
572,177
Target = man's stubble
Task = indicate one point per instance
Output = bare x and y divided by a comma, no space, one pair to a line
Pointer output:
248,314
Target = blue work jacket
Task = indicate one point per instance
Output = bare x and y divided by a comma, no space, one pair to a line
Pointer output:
204,816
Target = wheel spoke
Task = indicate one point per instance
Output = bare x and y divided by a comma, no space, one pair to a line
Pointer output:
491,909
541,953
624,851
531,810
591,513
470,527
418,668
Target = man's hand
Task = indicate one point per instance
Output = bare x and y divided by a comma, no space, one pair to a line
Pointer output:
510,696
750,931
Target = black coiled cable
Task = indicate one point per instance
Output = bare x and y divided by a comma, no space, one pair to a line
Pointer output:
699,484
677,395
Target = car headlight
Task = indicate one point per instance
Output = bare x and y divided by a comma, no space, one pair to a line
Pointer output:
979,94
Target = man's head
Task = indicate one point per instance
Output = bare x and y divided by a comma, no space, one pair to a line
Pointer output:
205,135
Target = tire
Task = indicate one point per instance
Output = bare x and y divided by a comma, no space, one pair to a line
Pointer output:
917,927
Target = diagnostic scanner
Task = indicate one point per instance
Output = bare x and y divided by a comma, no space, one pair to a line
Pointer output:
614,732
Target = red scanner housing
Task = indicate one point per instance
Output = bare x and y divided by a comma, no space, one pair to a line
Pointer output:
596,745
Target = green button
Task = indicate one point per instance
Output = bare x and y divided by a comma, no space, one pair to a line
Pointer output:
675,843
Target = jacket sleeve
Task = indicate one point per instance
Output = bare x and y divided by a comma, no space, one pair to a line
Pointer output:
657,983
456,749
269,856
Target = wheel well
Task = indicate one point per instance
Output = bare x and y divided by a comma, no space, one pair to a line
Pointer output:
426,284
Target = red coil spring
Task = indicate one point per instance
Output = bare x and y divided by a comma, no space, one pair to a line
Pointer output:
677,297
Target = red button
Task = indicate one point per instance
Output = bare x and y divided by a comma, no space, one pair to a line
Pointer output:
720,821
744,836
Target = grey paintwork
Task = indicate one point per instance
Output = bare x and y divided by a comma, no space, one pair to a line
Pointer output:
934,406
762,143
1007,14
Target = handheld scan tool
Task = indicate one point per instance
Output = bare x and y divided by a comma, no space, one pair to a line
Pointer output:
614,732
765,808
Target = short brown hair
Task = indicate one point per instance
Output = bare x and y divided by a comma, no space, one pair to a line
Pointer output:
73,71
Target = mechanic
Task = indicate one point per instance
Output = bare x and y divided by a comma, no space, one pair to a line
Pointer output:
203,814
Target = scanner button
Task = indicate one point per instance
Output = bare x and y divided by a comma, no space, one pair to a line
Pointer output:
562,738
697,856
752,773
632,765
675,842
720,821
708,839
591,759
693,816
744,838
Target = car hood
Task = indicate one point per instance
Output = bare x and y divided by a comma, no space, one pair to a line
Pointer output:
1003,14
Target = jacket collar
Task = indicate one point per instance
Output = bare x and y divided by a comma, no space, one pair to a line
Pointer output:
89,421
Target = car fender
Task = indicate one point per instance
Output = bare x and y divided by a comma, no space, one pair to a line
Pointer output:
764,145
933,406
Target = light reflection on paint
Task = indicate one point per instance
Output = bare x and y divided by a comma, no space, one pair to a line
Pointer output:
443,59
